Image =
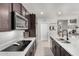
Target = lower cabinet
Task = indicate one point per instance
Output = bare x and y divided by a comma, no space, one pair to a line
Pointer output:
32,50
57,50
29,53
54,49
53,46
64,52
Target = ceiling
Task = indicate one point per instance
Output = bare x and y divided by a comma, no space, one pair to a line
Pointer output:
52,10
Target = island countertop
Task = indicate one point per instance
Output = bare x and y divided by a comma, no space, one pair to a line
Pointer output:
72,48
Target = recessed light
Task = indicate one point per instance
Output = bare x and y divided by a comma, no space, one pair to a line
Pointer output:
59,13
41,13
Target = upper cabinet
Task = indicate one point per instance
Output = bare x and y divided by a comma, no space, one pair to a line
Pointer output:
32,25
6,21
5,9
17,7
32,21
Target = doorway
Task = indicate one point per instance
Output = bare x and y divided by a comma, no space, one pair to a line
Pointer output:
44,31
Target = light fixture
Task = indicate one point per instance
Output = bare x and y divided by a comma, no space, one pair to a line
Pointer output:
59,13
41,13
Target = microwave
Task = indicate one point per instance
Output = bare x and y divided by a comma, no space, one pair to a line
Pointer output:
18,21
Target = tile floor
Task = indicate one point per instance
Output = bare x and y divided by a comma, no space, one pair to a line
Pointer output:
43,49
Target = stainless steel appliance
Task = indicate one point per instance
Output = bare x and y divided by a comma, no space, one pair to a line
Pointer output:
19,21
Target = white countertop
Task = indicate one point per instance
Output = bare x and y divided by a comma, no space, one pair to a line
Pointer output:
72,48
19,53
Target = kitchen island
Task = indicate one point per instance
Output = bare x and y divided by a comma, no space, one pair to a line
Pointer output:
72,48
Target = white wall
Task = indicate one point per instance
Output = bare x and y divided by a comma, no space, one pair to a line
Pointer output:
8,38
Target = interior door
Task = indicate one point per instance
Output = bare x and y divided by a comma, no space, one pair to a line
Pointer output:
44,31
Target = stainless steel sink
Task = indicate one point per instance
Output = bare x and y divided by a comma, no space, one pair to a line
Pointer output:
63,40
18,47
60,39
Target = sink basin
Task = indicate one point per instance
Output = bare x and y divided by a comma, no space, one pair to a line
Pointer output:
63,40
20,46
60,39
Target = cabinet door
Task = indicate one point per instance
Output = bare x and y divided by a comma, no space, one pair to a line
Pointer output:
53,46
32,50
5,22
17,8
32,25
67,54
29,53
33,21
54,50
64,52
57,49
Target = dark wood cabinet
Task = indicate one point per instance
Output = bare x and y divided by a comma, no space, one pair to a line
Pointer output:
57,50
31,20
64,52
32,50
5,15
32,24
53,46
6,20
17,7
32,17
5,9
67,54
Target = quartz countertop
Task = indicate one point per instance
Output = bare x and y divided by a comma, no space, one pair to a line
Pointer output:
72,48
19,53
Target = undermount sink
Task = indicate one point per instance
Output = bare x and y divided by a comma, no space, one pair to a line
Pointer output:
20,46
63,40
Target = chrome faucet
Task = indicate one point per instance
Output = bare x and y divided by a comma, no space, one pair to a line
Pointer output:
67,35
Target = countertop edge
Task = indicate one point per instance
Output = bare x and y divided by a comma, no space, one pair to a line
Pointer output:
19,53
